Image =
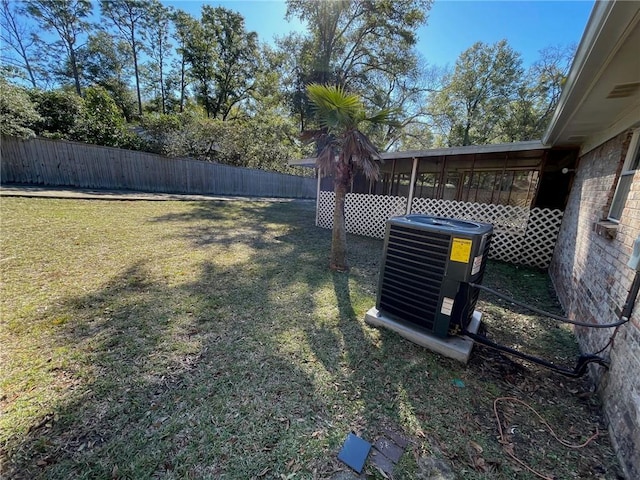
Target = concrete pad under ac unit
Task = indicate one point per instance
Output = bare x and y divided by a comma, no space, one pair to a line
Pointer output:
456,347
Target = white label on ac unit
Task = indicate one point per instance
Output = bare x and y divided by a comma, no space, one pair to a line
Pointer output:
447,306
477,263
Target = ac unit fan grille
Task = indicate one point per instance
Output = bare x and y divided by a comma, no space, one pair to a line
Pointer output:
413,273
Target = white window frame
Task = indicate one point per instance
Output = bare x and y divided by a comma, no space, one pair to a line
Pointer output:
632,156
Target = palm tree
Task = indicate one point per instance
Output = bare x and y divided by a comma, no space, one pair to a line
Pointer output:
342,148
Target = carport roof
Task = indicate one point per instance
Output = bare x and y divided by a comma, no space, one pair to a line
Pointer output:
532,147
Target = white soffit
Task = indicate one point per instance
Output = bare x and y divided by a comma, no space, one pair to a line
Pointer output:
602,95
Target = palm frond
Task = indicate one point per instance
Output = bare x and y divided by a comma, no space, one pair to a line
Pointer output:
368,166
308,136
339,113
336,109
385,116
326,159
357,143
362,153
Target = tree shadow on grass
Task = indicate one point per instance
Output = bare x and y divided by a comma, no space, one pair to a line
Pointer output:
413,389
258,366
179,380
165,388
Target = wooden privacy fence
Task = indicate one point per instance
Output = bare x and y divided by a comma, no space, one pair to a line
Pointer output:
61,163
521,235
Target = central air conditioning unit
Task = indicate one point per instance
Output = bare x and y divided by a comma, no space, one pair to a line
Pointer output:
427,265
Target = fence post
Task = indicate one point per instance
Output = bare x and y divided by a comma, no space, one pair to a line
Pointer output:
318,193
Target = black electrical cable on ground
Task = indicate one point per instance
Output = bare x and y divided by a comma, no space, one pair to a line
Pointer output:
579,370
548,314
583,361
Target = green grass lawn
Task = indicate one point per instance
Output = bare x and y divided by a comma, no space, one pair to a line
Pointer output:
210,340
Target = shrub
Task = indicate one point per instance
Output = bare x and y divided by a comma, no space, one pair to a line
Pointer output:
18,116
102,122
61,113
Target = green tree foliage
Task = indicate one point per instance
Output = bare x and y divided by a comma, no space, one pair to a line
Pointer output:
107,62
292,65
364,46
528,115
129,17
342,148
476,96
199,54
60,111
489,98
69,20
158,48
106,58
63,114
18,117
352,38
183,24
162,132
102,122
237,59
223,59
267,141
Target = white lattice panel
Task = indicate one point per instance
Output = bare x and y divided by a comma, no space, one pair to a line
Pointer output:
364,214
506,246
521,236
507,216
368,214
326,203
541,235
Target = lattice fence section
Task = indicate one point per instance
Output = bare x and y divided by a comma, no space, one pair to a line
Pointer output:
368,214
521,236
364,214
506,216
540,239
326,203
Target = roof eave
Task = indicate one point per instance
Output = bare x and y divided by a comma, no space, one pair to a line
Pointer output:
467,150
585,67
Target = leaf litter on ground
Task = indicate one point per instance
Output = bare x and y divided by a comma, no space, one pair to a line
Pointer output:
209,339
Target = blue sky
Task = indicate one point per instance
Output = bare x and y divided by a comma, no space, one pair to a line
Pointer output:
528,26
453,26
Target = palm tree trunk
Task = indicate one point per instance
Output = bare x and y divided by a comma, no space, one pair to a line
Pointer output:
338,259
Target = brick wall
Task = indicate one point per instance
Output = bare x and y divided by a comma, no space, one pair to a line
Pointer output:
592,281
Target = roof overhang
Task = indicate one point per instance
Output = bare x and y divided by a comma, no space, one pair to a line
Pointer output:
530,146
467,150
601,97
302,162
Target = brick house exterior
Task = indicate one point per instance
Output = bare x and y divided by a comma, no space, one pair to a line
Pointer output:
591,277
599,112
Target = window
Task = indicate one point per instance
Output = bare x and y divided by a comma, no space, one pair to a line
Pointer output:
626,178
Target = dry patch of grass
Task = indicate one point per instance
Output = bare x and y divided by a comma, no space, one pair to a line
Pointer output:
209,340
